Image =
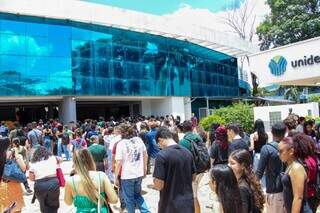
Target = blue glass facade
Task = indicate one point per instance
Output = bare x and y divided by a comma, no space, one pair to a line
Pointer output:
43,57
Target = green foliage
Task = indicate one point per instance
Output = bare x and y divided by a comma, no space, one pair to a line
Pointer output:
237,113
314,98
290,21
208,121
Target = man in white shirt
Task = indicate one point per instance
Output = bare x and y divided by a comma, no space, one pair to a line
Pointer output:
131,160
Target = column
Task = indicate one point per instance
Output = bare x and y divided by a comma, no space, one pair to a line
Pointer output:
68,110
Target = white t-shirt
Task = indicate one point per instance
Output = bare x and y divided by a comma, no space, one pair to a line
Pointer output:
44,168
130,152
111,140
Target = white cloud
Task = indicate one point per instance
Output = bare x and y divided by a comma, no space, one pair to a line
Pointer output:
186,15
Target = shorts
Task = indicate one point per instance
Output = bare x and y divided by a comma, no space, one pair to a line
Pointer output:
195,184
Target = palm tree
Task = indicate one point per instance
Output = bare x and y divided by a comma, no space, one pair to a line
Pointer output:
292,94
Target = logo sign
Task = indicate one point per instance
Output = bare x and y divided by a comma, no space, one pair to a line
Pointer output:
278,65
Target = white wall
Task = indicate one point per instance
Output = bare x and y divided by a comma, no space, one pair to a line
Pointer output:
299,109
303,75
167,106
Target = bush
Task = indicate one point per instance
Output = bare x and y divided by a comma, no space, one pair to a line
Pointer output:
208,121
241,113
314,98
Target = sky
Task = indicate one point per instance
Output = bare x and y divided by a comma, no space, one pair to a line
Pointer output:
162,7
204,13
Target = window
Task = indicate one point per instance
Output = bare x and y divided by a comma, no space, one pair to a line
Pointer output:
274,117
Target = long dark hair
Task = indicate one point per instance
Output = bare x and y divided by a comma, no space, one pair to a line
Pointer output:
4,146
227,188
243,157
259,128
212,134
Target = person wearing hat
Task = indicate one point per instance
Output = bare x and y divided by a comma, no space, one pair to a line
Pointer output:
98,153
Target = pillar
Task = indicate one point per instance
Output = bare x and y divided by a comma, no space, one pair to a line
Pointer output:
68,110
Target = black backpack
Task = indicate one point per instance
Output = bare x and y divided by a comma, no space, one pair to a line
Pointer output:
200,155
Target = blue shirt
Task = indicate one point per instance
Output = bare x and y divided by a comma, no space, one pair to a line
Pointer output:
153,147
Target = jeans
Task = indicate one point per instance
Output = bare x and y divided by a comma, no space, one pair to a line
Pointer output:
131,189
59,147
109,170
47,144
66,151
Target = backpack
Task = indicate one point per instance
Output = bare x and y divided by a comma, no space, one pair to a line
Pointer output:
78,144
313,175
65,138
200,155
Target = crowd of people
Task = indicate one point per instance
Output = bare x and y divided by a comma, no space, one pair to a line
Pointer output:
276,172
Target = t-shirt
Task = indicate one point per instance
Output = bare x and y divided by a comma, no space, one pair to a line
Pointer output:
175,166
98,152
238,143
44,168
110,140
219,155
78,143
130,152
35,136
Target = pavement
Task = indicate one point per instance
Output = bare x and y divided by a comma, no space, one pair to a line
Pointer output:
206,197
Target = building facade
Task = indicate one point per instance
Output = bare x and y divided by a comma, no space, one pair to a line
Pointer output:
70,65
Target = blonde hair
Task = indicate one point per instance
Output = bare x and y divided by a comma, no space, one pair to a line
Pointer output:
83,163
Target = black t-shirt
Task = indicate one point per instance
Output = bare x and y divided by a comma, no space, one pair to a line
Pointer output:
219,155
175,166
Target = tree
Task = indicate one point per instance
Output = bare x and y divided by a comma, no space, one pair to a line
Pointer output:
290,21
292,94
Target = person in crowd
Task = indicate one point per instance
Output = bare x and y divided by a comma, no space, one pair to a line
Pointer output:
10,190
47,137
309,160
153,147
194,121
34,138
251,193
291,122
186,142
118,177
4,131
308,129
98,153
301,121
224,183
21,150
202,133
180,131
131,157
13,132
113,136
65,141
212,132
90,132
88,188
236,142
219,148
78,142
46,187
271,166
59,135
173,173
294,179
257,140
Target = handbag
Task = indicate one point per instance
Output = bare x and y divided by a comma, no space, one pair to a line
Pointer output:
13,172
60,175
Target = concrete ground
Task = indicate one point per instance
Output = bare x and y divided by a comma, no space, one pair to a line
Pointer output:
151,196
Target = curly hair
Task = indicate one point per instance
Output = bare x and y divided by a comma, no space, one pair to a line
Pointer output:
40,154
243,157
303,146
